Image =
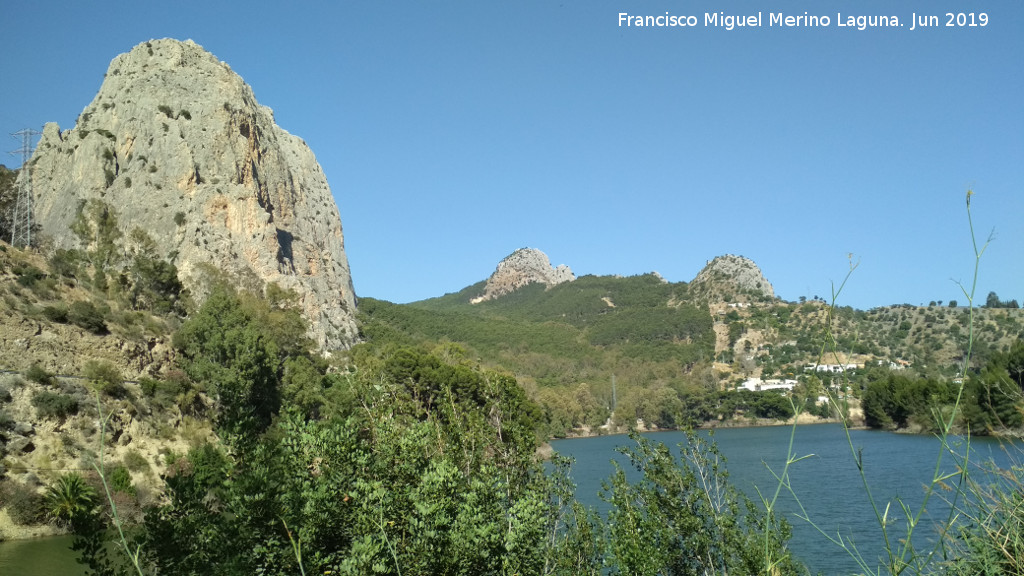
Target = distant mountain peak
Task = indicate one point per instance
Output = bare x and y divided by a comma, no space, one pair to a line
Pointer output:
520,268
731,277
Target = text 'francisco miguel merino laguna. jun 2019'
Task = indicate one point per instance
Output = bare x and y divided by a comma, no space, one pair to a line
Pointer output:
805,20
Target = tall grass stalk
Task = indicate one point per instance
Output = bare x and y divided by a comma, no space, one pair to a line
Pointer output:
133,555
900,553
296,547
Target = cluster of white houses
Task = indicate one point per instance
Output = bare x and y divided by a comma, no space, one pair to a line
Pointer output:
758,385
833,368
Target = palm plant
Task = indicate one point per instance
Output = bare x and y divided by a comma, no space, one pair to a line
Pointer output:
69,498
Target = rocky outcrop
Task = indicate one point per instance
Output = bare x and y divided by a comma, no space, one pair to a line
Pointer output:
522,267
176,143
731,278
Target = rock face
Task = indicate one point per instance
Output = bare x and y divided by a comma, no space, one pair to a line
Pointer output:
176,143
522,267
733,278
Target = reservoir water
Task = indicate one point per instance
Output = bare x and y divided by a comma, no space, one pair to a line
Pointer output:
39,557
827,483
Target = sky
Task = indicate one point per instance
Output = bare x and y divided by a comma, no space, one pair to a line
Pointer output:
454,132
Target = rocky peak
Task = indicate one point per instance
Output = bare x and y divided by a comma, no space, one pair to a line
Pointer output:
731,277
176,143
522,267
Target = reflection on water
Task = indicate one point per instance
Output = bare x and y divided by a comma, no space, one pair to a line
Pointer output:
39,557
827,483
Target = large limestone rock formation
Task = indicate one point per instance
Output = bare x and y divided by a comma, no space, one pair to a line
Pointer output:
732,278
176,143
522,267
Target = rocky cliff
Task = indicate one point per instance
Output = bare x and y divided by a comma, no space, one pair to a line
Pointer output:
522,267
176,143
732,278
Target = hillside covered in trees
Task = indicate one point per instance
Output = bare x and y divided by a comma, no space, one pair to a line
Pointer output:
668,357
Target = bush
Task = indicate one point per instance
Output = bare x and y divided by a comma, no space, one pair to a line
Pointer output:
40,375
121,480
28,275
149,386
6,422
135,461
107,377
87,316
24,504
54,405
58,314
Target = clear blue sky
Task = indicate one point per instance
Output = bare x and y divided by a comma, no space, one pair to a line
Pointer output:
453,133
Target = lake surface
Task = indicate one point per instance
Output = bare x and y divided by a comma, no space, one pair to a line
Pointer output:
828,483
39,557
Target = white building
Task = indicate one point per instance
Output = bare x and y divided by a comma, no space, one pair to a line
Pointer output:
758,385
834,368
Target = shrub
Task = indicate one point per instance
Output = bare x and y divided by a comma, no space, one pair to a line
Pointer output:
149,386
135,461
54,405
179,218
57,314
185,114
40,375
121,480
28,275
24,504
87,316
107,377
166,110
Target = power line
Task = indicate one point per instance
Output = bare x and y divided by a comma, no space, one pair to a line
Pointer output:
21,218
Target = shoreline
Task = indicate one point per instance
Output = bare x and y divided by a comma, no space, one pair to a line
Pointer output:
804,420
11,531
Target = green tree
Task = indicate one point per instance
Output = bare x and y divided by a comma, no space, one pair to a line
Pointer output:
398,486
97,231
154,283
995,396
230,350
